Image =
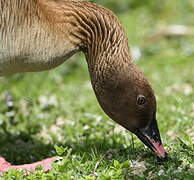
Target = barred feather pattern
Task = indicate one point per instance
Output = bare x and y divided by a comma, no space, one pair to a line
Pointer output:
41,34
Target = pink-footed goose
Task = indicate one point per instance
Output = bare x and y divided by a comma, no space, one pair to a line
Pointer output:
37,35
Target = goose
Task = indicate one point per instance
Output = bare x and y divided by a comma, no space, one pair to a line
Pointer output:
37,35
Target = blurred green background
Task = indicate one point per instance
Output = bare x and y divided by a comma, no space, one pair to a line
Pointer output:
59,106
143,19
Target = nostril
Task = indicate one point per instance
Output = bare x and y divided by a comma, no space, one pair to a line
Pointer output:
155,136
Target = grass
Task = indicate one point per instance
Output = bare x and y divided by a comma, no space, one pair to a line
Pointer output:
56,113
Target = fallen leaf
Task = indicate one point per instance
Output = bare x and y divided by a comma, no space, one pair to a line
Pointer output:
161,172
138,167
184,88
190,132
172,134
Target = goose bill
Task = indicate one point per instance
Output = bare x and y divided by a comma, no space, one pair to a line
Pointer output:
150,136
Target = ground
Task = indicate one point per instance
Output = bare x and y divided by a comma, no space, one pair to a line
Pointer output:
56,113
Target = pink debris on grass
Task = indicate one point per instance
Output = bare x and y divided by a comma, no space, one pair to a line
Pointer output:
28,168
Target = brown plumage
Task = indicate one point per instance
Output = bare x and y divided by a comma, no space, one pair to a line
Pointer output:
38,35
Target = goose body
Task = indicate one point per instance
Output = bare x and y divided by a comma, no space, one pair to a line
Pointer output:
28,40
37,35
21,55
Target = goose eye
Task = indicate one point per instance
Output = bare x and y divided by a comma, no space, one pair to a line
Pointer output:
141,100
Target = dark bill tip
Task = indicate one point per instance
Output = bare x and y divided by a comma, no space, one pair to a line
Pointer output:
161,160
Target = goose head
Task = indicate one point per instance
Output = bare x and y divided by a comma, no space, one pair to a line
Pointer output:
128,99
